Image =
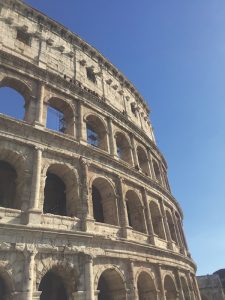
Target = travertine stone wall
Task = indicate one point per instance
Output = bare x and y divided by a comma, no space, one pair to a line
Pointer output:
139,248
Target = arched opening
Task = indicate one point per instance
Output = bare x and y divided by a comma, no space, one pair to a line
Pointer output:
156,170
135,212
104,202
55,195
61,191
143,161
185,289
171,226
96,132
157,222
53,287
8,178
146,287
170,288
111,286
4,291
60,116
123,148
16,99
12,103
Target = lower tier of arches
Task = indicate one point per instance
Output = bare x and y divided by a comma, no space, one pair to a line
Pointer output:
27,274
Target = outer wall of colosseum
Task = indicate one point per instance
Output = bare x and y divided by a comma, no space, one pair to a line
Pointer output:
86,212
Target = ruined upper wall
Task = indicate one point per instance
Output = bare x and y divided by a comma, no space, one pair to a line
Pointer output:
30,35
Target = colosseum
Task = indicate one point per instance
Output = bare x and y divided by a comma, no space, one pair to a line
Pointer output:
86,210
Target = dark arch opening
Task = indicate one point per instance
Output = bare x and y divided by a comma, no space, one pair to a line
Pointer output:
170,288
12,103
157,222
3,290
171,226
96,132
111,286
8,178
54,195
143,161
156,171
52,287
146,287
97,205
135,212
123,148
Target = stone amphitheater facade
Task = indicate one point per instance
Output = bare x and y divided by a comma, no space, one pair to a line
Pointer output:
86,212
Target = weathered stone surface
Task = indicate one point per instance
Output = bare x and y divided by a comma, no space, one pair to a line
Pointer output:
84,210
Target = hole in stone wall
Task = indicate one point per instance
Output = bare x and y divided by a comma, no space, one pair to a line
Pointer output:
55,120
54,195
52,287
7,185
97,205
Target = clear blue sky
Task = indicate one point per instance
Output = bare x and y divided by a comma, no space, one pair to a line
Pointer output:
174,52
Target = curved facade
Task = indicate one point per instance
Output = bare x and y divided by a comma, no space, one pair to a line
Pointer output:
86,211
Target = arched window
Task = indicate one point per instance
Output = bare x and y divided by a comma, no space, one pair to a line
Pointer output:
53,287
157,222
61,191
170,288
123,148
16,100
8,178
60,116
171,226
104,202
135,212
55,195
111,286
146,287
143,161
156,171
96,132
11,103
185,289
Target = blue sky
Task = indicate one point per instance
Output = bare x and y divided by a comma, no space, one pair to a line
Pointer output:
174,53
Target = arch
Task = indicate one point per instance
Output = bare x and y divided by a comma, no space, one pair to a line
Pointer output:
58,283
157,221
146,287
156,171
171,226
143,160
61,195
62,117
170,288
12,178
123,147
96,132
135,211
104,201
6,285
13,84
185,288
111,285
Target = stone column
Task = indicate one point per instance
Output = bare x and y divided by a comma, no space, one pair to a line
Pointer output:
166,226
29,255
39,108
179,285
161,283
81,125
34,212
112,142
148,217
124,223
84,205
134,152
89,278
133,295
191,287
